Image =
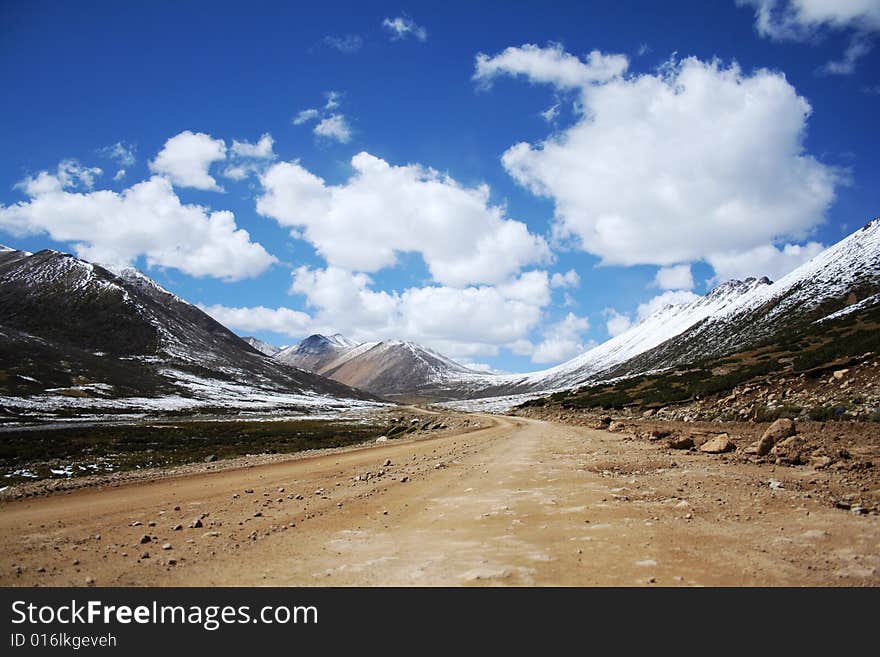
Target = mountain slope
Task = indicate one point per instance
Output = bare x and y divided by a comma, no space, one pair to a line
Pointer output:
315,352
261,346
732,317
391,369
845,274
76,335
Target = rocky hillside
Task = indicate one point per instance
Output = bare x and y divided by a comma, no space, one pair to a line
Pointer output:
78,336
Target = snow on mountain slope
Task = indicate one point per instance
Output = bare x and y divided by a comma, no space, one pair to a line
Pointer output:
839,277
391,367
315,352
730,317
67,322
261,346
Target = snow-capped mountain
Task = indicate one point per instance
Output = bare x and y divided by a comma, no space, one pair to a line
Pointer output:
261,346
315,352
843,278
75,335
735,315
390,368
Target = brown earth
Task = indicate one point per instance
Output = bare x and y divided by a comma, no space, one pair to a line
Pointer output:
523,502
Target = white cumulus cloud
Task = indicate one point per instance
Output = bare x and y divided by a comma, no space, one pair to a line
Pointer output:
616,322
334,127
248,158
562,340
186,159
678,277
550,65
146,219
670,167
306,115
383,210
568,279
765,260
808,20
283,321
460,322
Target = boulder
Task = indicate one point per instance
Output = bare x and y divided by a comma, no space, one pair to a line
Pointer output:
779,430
718,445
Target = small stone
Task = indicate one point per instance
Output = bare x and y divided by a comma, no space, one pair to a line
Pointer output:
258,514
177,508
76,562
152,523
779,430
387,463
382,439
145,555
136,523
718,445
195,524
681,442
145,539
177,528
90,581
281,490
210,458
166,546
839,374
249,491
403,480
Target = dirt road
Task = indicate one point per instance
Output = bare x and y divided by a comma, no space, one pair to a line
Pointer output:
523,502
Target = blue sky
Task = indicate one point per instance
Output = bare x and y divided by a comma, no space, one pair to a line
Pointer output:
458,162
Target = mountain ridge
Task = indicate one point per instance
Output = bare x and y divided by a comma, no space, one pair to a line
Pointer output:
77,335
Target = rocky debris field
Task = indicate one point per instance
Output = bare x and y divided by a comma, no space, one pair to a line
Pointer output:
836,462
849,389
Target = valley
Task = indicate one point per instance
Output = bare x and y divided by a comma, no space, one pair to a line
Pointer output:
519,502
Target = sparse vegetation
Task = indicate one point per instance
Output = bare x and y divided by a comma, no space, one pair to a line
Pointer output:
90,449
